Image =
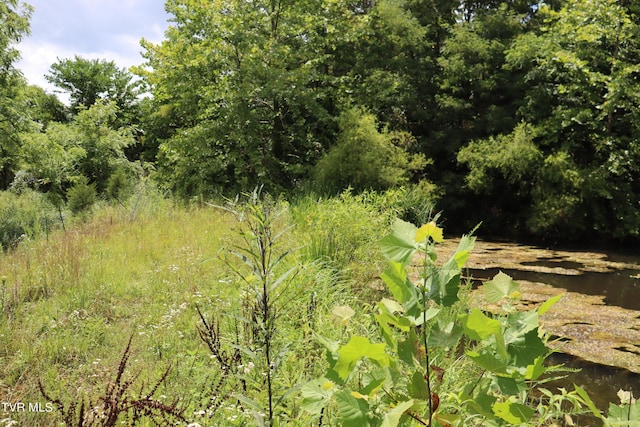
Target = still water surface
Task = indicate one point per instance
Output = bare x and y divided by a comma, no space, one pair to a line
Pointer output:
620,287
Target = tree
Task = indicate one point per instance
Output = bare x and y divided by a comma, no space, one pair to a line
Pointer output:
250,91
365,158
582,101
89,148
246,91
88,81
43,107
14,24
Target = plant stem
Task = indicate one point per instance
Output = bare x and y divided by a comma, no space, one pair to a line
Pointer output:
424,335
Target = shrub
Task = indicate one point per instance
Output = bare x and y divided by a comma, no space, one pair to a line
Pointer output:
119,185
403,375
342,229
365,158
81,196
28,214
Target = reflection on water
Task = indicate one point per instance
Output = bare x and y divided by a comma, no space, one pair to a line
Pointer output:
620,288
601,382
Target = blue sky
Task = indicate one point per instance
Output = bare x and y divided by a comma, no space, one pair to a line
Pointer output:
92,29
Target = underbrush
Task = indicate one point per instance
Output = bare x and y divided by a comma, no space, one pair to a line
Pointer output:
148,313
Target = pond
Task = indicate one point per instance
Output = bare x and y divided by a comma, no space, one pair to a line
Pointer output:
596,324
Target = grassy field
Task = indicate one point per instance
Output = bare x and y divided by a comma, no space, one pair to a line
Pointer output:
71,301
153,313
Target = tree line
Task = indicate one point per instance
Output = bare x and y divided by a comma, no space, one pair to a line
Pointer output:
522,114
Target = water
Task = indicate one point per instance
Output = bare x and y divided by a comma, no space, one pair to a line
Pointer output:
620,286
601,382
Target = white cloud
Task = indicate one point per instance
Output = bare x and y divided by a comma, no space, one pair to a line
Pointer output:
92,29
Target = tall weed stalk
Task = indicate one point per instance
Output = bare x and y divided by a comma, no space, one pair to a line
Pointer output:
266,281
118,404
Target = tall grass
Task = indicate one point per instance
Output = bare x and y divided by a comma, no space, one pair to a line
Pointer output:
71,301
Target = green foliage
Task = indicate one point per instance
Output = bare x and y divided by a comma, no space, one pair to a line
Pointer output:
119,185
514,158
14,25
252,369
256,108
27,215
401,379
580,105
90,81
341,229
625,414
91,146
44,108
366,159
81,196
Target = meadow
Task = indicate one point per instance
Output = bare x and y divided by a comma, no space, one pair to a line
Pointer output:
261,311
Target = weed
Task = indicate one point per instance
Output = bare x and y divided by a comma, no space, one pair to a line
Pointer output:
267,290
117,403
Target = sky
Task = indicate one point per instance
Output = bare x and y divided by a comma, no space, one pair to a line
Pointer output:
92,29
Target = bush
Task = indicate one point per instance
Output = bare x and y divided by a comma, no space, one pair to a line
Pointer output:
28,214
81,196
365,158
119,185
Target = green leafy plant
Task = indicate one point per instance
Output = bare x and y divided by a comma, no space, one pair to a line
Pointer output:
426,334
250,363
81,196
25,215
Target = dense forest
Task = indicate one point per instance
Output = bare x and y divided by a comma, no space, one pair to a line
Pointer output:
522,114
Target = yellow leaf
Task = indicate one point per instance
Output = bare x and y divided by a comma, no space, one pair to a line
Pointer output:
430,229
342,314
359,396
327,385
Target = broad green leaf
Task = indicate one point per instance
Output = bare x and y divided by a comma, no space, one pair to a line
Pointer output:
373,381
417,388
395,276
524,352
521,323
545,306
624,415
513,412
445,283
444,286
352,411
386,317
490,361
392,418
409,349
499,287
390,306
357,348
478,327
444,336
510,386
429,230
461,255
536,370
482,402
316,394
400,245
